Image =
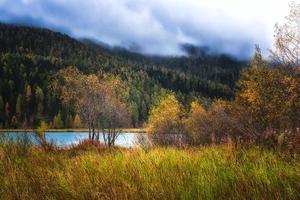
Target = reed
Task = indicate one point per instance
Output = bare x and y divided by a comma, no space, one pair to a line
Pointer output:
215,172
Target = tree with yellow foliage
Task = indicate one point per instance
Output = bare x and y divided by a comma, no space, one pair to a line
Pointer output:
77,122
220,121
100,101
165,124
205,126
267,102
198,129
269,96
287,38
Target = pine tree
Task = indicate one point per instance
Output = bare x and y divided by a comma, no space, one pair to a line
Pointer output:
28,98
19,106
1,106
57,121
134,114
40,109
2,117
69,121
77,122
7,110
7,114
39,94
28,93
14,122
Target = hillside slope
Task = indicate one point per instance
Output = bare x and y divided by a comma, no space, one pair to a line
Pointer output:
30,56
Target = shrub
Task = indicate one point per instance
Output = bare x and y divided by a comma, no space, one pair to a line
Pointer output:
88,144
197,123
207,126
41,138
165,124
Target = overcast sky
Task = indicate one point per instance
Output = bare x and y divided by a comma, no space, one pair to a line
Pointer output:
157,26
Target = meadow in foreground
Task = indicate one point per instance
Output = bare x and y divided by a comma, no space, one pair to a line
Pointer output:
215,172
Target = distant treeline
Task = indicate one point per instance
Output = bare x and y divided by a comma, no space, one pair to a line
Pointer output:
29,58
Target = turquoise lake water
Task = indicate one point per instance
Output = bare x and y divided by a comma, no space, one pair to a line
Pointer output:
68,138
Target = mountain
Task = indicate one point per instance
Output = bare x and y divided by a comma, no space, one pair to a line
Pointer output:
30,56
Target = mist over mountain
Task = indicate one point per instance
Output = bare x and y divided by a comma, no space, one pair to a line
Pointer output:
149,99
156,27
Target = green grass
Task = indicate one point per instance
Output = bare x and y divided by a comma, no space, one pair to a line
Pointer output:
215,172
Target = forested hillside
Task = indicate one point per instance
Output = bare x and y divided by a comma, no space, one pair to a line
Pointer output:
30,57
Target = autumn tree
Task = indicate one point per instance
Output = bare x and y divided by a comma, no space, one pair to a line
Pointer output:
77,122
90,102
219,120
165,124
99,100
57,121
267,105
28,102
87,94
68,121
134,114
19,106
267,102
287,38
197,123
114,116
205,126
28,93
39,95
14,122
7,111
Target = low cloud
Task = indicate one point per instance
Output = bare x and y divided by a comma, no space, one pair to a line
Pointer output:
155,26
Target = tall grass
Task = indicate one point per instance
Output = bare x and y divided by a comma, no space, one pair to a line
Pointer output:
215,172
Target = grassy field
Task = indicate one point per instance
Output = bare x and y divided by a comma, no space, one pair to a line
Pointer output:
215,172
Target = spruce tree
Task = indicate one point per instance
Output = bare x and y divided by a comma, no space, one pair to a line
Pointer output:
19,106
77,122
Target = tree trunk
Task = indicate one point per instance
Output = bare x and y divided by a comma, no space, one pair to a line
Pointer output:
90,137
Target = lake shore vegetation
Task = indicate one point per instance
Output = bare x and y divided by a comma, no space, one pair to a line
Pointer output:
216,127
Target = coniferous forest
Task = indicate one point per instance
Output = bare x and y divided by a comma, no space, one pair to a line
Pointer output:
29,65
85,119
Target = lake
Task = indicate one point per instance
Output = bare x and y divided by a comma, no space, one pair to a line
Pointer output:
68,138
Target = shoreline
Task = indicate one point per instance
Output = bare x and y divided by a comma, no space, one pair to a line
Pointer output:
125,130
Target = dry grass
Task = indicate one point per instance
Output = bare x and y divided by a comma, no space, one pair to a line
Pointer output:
215,172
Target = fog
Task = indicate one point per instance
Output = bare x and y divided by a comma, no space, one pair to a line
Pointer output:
155,26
